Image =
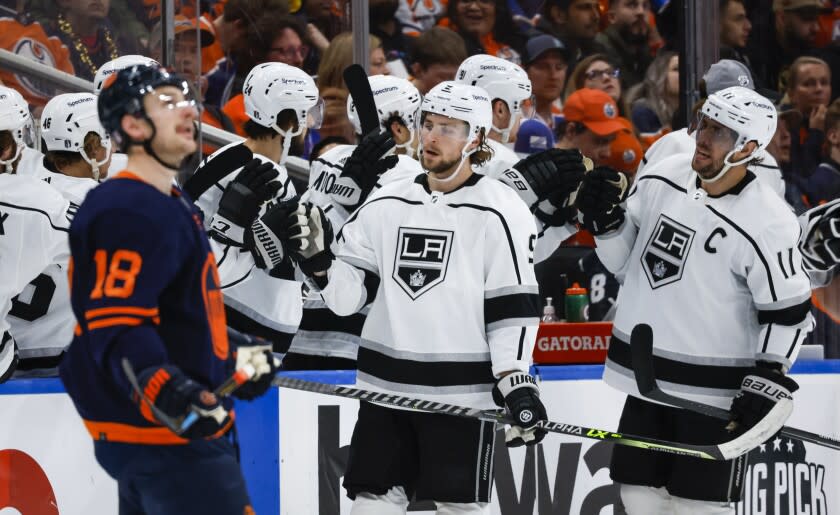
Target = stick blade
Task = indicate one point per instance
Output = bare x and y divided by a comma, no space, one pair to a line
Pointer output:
359,87
641,350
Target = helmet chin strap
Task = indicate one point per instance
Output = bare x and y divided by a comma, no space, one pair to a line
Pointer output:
407,145
506,131
94,165
451,177
287,141
9,164
726,166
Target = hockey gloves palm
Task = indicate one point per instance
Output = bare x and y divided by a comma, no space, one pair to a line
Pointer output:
363,168
241,201
315,254
598,199
820,243
550,178
760,391
261,358
518,393
176,395
275,234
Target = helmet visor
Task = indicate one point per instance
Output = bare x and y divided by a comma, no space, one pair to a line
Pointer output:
433,124
179,96
717,134
315,115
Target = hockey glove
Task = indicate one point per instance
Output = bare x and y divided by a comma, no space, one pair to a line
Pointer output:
315,254
241,201
176,395
518,393
363,168
553,173
279,231
598,199
260,356
761,389
8,357
820,243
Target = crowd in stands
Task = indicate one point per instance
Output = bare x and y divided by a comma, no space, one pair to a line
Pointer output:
604,73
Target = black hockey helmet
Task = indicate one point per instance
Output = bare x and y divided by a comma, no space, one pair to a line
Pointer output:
122,94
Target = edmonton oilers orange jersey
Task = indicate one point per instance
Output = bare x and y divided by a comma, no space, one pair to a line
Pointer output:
143,286
30,41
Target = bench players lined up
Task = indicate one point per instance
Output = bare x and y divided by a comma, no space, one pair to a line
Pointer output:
414,249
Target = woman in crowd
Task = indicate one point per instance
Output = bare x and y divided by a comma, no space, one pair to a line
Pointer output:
654,101
486,28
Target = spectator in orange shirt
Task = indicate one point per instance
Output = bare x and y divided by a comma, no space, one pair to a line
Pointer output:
486,28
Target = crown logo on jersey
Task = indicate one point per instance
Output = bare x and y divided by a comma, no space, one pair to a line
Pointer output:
417,279
659,269
422,259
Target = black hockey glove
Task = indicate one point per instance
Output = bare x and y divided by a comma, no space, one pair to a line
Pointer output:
363,168
518,393
315,255
820,242
279,231
8,357
761,389
241,201
176,396
598,199
258,354
552,174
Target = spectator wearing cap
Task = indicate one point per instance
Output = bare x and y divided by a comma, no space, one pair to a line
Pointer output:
591,124
546,62
735,28
435,57
654,101
626,39
575,22
486,28
533,136
809,92
795,30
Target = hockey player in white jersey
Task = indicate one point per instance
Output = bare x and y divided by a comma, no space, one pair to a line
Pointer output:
325,340
261,297
721,75
453,314
78,151
708,257
118,159
33,237
544,180
16,135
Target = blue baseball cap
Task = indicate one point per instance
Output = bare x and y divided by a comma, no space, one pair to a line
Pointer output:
533,136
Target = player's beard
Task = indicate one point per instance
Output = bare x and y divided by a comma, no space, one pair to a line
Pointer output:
710,170
441,168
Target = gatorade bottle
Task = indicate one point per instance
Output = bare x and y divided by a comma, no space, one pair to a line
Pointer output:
577,303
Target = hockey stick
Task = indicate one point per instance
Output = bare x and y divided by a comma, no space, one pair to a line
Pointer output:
217,169
178,426
641,349
724,451
359,88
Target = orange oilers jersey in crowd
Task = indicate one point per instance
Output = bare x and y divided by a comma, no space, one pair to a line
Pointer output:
143,286
32,42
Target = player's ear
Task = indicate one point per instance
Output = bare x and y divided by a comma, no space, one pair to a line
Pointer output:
135,127
748,148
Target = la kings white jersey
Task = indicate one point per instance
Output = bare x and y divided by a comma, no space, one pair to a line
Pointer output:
33,236
451,280
322,332
257,303
720,280
680,142
500,167
41,317
30,162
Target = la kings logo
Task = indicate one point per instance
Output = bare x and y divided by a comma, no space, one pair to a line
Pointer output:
666,252
422,258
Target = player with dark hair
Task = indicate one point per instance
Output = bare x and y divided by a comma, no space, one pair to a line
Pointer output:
151,343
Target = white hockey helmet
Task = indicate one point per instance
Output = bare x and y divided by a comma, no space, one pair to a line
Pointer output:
392,96
66,121
115,65
748,114
470,104
15,118
271,88
501,79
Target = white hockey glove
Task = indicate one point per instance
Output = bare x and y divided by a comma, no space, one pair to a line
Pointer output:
518,393
765,398
820,241
315,255
363,168
8,357
265,365
241,202
281,230
598,199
